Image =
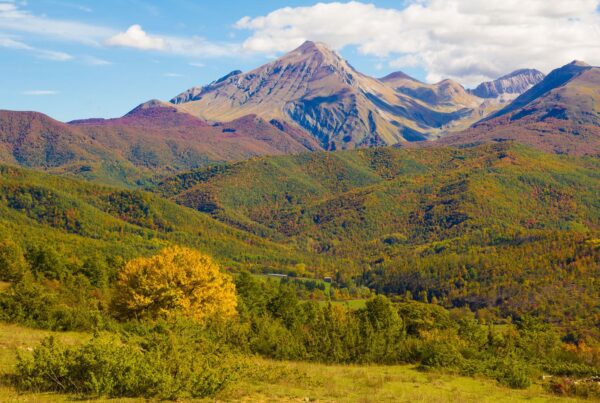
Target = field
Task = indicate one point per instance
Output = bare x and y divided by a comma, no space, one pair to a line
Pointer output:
293,381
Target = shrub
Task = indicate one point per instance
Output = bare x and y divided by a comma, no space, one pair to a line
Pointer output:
27,302
67,308
160,366
585,388
438,354
513,375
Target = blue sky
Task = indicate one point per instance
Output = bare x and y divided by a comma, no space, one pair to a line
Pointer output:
79,59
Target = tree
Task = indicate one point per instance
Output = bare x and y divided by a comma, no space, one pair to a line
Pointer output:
177,281
47,261
12,262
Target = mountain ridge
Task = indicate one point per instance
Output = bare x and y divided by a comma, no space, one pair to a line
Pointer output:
514,83
314,88
561,114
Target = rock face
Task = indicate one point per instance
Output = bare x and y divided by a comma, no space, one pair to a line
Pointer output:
516,83
560,114
315,89
553,84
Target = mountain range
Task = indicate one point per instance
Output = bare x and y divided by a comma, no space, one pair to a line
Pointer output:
307,100
315,89
560,114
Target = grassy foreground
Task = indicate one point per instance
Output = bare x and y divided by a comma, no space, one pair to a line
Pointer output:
291,381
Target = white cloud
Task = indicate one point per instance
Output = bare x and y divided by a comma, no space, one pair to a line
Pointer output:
53,55
12,44
40,53
469,40
173,75
40,92
197,64
13,18
136,37
94,61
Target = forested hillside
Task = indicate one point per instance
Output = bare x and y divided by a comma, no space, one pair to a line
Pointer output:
498,227
80,220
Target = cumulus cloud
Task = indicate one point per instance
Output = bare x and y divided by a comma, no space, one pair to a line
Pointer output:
15,19
136,37
469,40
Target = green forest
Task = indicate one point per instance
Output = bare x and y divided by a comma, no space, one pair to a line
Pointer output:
480,262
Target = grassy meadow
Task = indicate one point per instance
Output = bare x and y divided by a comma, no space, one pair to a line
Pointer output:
269,380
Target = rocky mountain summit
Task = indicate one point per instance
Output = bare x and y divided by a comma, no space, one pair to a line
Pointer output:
514,84
559,114
315,89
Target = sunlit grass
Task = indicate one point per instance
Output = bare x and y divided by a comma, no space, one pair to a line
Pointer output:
267,380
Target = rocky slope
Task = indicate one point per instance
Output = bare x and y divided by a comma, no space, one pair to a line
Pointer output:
513,84
560,114
446,94
313,88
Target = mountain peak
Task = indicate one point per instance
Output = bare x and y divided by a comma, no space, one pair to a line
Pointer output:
310,46
579,63
514,83
521,72
555,79
143,109
396,76
316,51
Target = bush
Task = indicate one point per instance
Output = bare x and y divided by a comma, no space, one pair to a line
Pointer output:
68,308
162,366
27,302
439,354
585,388
513,375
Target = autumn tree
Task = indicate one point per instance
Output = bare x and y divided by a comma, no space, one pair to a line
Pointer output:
177,281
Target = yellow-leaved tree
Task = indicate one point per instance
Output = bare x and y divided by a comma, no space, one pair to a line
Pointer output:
177,281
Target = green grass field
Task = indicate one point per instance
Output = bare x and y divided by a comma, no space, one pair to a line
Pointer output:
267,380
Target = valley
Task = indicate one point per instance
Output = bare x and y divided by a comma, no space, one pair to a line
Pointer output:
303,231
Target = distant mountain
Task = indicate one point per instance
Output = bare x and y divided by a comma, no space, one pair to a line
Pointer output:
397,77
559,114
514,84
446,93
307,100
155,137
33,139
315,89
